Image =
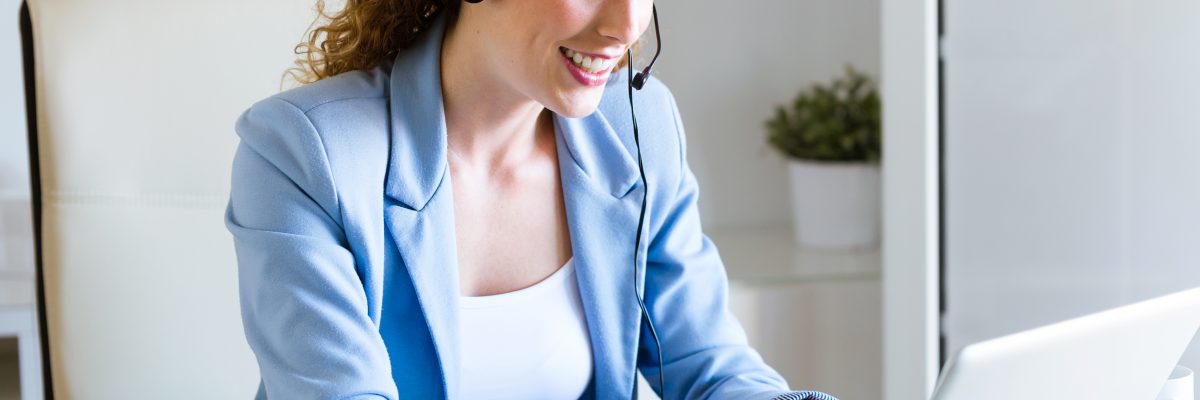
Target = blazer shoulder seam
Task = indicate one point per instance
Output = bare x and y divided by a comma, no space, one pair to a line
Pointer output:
337,196
331,101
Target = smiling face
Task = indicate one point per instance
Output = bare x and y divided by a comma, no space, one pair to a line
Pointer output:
558,53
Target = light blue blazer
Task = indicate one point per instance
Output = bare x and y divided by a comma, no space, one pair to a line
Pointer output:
342,215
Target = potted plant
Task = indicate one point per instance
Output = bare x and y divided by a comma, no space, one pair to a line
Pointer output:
830,135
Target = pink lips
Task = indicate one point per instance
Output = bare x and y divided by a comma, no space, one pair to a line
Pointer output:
584,77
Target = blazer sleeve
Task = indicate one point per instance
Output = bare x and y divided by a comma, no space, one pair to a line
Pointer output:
304,309
706,354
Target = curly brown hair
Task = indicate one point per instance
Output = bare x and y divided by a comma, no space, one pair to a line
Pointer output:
365,33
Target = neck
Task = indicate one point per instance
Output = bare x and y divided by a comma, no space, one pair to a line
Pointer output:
488,123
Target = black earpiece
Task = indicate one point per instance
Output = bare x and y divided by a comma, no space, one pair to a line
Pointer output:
640,78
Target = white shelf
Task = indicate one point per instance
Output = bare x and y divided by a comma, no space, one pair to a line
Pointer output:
769,256
813,314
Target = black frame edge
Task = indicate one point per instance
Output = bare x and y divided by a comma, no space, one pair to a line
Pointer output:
35,192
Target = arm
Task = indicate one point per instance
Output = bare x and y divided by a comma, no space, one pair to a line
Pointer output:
304,309
706,354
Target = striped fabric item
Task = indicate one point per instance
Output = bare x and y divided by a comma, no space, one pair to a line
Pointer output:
805,395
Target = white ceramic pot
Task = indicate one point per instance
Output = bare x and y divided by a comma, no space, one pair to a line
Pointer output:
835,205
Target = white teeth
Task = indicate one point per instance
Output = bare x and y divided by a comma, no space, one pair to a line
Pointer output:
590,64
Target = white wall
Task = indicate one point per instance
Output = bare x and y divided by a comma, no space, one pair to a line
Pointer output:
14,165
1072,159
16,230
729,63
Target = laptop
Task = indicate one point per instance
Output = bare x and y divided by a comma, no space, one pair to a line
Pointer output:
1124,353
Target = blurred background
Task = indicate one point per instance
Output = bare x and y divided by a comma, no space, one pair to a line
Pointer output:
1038,162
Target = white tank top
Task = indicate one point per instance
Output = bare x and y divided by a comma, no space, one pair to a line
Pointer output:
532,343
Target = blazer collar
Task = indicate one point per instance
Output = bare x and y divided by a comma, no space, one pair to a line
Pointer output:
418,142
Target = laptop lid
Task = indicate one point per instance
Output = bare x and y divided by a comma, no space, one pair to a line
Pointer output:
1124,353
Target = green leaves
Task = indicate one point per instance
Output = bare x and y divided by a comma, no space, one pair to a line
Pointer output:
835,122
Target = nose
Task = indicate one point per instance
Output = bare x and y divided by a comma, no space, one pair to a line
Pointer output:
624,21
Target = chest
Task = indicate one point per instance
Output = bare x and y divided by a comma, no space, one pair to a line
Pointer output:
510,228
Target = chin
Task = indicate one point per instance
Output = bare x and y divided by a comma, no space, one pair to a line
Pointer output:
578,106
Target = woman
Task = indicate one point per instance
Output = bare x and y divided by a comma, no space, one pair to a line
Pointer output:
448,210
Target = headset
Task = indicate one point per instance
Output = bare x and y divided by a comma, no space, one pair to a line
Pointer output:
637,81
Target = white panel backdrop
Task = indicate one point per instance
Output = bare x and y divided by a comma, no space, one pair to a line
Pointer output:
1072,159
14,165
729,63
16,231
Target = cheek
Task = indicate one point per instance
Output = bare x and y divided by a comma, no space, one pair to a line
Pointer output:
564,12
532,33
647,16
549,16
560,20
573,19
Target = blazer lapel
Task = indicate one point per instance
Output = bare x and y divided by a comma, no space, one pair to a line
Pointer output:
426,242
420,206
598,179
